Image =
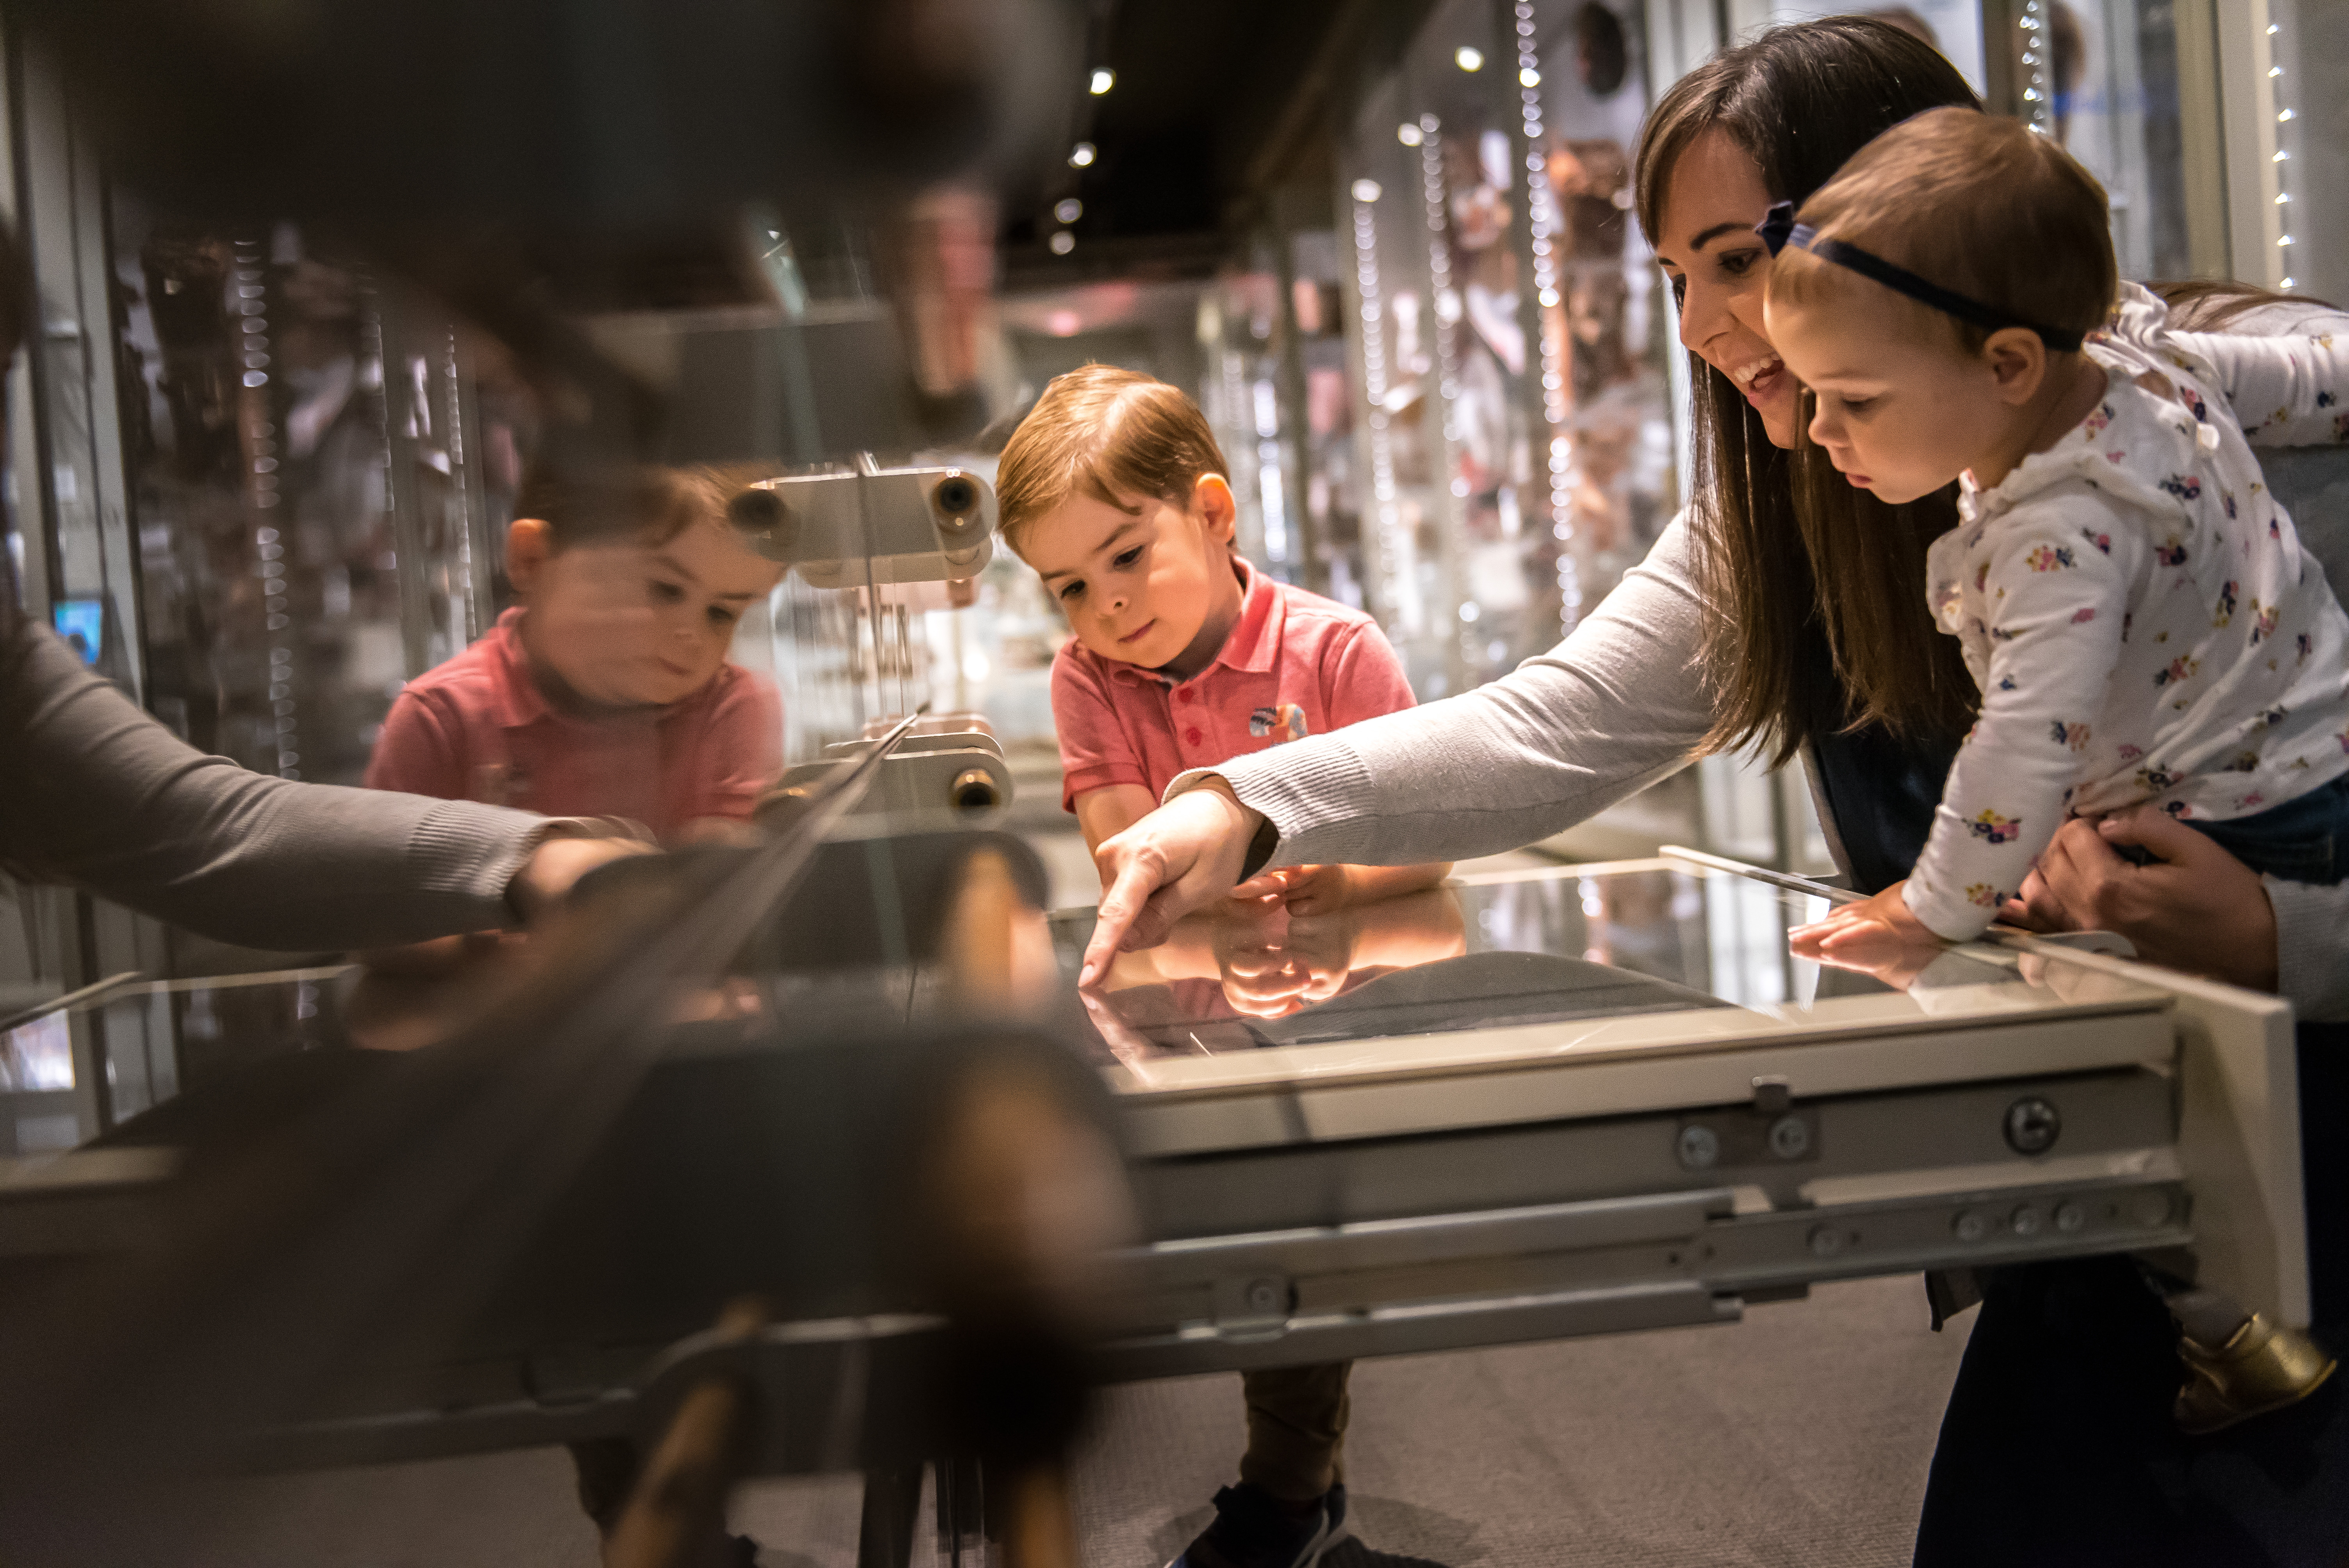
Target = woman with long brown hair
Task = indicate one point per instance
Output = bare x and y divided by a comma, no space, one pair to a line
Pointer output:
2057,1447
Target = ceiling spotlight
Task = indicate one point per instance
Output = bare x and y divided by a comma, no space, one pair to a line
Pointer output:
1068,210
1468,57
1409,134
1103,79
1081,155
1366,190
1061,243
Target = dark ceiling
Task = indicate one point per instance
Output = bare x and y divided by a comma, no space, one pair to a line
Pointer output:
1216,101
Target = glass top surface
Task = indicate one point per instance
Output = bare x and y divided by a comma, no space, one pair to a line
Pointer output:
1539,947
1499,966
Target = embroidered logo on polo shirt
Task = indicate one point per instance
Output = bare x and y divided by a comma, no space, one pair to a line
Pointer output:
1286,722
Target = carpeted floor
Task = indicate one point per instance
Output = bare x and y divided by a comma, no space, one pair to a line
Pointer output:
1799,1437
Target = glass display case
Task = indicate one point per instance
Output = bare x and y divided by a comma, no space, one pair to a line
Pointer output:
322,470
1521,1106
1511,364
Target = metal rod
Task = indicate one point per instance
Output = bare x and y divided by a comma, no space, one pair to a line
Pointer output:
70,999
1786,880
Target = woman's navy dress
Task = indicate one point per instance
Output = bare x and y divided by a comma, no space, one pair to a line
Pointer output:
2057,1447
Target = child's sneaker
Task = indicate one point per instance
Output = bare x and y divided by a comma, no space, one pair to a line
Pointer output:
1254,1530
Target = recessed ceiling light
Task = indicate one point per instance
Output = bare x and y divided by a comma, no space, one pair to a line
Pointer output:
1409,134
1061,242
1081,155
1103,79
1468,57
1366,190
1068,210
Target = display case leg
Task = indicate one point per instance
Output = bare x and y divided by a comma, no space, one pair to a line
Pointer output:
885,1531
677,1507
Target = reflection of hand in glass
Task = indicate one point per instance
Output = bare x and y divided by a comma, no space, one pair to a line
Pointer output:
1275,962
1126,1043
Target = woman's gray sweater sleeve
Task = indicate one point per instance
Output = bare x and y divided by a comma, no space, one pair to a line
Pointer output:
1607,712
2312,948
93,792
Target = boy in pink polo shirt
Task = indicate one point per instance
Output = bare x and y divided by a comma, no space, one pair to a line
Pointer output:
606,692
1184,656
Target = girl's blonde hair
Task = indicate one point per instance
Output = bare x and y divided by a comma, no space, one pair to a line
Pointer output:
1108,433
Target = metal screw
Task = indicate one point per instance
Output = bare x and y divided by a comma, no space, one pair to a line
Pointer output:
2032,1125
1971,1225
2025,1221
1700,1147
1790,1138
2069,1216
1825,1240
1264,1294
2150,1209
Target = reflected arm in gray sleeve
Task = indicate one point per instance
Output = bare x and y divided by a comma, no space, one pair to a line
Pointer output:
95,791
1614,707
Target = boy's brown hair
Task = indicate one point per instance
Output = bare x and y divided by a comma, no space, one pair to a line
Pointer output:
640,503
1980,204
1107,433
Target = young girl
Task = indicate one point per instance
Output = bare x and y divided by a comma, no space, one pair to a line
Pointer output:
2135,608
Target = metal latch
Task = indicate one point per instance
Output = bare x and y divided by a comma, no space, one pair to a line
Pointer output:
1252,1310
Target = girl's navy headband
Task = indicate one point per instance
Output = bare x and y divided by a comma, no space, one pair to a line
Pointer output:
1779,230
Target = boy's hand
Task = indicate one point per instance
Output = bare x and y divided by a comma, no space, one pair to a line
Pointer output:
1327,889
1877,934
545,879
1305,889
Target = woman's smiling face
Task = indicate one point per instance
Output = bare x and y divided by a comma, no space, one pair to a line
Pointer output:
1713,197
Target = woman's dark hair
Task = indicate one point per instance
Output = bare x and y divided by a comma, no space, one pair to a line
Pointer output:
1784,661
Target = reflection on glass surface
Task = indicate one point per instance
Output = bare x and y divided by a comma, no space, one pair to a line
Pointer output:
1540,948
149,1043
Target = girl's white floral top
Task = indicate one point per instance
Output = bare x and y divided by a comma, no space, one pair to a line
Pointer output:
2138,611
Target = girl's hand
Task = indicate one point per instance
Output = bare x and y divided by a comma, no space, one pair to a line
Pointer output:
1875,935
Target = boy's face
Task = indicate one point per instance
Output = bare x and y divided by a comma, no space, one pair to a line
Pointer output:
1898,416
1136,588
625,624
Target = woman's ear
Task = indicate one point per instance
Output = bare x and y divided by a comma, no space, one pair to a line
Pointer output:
1211,497
2018,363
530,544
